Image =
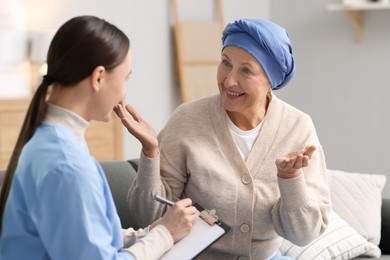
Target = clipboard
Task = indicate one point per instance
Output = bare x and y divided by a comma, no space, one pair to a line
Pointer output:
207,229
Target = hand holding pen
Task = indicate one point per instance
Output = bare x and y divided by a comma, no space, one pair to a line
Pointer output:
179,218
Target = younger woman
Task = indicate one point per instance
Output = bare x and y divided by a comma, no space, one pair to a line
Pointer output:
55,200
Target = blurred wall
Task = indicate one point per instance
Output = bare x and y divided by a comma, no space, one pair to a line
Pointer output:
14,68
152,88
342,84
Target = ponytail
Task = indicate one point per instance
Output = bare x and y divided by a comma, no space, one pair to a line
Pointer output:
34,116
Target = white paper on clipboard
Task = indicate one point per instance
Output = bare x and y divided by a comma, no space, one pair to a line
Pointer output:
201,236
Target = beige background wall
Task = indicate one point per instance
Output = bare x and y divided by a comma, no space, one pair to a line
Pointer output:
152,88
344,86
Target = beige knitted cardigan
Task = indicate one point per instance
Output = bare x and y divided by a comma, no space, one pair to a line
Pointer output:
200,160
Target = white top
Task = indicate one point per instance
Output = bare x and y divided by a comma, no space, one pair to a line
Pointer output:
244,139
61,116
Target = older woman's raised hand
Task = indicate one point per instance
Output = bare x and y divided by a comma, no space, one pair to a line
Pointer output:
291,165
139,128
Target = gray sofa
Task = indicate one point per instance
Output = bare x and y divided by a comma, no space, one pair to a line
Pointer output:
120,175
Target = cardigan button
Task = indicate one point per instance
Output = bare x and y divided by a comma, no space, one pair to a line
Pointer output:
244,228
246,179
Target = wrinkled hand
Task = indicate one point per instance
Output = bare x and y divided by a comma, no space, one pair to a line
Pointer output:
290,166
139,128
179,219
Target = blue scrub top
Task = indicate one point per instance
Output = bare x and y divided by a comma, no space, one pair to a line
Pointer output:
60,205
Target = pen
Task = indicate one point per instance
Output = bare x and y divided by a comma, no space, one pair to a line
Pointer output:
162,200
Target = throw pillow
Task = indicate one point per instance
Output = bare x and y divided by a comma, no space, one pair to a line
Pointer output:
357,198
339,241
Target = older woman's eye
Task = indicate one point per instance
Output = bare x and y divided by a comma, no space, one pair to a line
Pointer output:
246,70
226,63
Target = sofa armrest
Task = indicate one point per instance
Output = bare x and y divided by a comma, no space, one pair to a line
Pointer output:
2,175
134,163
120,176
385,229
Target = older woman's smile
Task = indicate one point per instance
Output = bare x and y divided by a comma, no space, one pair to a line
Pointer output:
233,93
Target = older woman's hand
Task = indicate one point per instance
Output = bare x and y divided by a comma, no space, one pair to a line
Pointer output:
139,128
290,166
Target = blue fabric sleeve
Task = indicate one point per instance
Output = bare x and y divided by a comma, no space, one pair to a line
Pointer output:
73,216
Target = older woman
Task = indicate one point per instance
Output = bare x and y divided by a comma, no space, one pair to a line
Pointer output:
244,152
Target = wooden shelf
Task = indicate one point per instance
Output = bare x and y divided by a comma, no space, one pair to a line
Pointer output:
105,139
12,114
355,13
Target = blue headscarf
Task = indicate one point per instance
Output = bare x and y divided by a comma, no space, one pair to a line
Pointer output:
268,43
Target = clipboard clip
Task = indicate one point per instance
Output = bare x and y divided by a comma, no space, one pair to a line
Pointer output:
210,216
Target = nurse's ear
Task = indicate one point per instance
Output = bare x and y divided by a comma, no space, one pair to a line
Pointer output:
97,78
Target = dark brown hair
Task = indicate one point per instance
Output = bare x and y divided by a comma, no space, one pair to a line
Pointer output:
79,46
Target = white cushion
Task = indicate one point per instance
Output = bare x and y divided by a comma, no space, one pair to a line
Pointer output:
357,198
340,241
